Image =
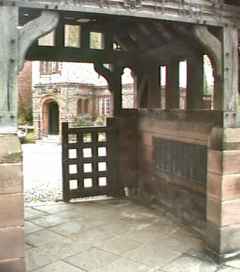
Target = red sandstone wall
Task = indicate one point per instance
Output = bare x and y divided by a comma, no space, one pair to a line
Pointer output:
11,206
184,197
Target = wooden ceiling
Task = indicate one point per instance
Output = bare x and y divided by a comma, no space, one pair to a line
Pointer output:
145,40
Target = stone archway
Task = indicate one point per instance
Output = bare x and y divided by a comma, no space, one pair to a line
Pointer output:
50,117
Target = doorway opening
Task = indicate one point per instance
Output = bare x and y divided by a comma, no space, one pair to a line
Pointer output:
53,118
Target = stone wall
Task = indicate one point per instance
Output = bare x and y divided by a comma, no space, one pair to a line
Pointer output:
11,206
223,232
66,96
184,197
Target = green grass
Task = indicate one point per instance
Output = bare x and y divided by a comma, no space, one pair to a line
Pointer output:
30,138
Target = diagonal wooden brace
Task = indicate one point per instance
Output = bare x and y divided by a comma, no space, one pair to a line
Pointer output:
37,28
14,44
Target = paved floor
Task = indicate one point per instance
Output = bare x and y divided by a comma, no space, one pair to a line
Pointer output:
112,236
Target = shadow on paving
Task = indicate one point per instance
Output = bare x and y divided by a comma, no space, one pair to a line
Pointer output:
112,236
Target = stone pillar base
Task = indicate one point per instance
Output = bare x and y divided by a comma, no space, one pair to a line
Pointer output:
223,194
11,205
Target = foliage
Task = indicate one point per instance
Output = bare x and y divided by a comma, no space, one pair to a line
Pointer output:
100,121
30,138
25,115
87,120
83,121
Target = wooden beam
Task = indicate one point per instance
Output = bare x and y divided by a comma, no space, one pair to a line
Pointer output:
141,87
230,68
211,44
114,79
35,29
8,69
172,85
194,82
167,51
191,12
154,92
14,44
103,71
162,29
48,53
213,48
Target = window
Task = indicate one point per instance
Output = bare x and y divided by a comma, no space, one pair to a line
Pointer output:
83,106
128,90
49,68
183,84
163,73
72,36
105,105
96,40
47,40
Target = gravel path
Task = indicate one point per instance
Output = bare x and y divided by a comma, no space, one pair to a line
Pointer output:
42,171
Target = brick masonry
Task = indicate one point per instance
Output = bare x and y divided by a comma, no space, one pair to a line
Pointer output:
11,206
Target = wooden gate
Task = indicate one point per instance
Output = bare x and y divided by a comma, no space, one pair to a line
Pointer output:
89,161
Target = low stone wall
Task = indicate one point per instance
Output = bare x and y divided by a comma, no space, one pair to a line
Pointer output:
11,206
223,231
140,131
183,194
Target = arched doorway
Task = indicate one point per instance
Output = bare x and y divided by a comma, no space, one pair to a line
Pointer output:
53,118
50,120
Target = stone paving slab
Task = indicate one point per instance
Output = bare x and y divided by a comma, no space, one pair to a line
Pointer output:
30,213
60,266
112,236
42,237
190,264
124,265
118,246
30,227
49,220
92,259
155,257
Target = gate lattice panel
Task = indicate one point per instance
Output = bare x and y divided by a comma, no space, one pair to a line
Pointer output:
88,161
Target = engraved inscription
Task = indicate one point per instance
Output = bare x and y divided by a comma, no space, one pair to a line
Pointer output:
181,159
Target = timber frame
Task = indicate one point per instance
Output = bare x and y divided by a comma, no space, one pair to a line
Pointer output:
207,12
147,35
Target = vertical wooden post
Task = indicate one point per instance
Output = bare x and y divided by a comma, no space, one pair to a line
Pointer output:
172,85
223,201
14,43
194,82
114,79
230,68
154,92
115,86
213,48
65,184
218,91
8,69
